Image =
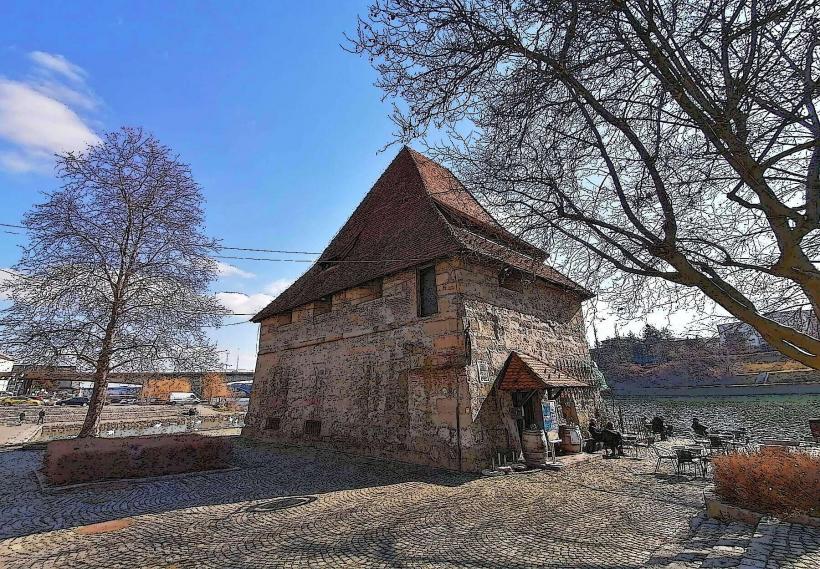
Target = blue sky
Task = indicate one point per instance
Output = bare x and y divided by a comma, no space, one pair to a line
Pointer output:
282,128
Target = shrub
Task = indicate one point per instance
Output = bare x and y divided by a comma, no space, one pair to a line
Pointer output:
771,480
85,460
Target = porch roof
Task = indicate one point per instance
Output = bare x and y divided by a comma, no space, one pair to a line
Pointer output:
524,373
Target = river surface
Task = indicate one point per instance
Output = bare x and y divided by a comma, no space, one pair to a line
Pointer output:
763,416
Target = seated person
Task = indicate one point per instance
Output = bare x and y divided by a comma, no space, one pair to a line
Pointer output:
595,436
658,427
699,428
612,439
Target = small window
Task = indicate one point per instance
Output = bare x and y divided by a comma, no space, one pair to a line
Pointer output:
511,279
427,296
375,287
323,305
273,423
483,372
284,318
313,428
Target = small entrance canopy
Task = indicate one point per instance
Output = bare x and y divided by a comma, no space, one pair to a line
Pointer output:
526,373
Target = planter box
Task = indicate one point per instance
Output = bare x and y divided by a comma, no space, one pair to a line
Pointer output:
85,460
718,509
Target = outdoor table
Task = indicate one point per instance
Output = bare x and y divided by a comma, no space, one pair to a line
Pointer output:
697,454
630,440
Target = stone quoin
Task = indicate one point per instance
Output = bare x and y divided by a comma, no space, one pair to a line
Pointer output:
425,332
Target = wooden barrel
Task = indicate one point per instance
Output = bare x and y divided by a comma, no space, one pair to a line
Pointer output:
534,447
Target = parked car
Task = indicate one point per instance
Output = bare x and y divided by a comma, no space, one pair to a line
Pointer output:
74,401
125,401
183,398
20,400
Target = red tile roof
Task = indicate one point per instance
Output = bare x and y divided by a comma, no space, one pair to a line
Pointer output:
416,212
524,373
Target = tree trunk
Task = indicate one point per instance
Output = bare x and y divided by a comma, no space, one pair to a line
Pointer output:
91,424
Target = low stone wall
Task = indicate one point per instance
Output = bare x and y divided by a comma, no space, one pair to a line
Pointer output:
178,423
719,509
85,460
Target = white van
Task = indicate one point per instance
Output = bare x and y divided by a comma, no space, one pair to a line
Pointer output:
183,398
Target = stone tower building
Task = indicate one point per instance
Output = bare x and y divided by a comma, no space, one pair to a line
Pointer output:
426,333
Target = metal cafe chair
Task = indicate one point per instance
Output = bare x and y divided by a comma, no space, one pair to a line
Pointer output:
689,457
717,445
663,453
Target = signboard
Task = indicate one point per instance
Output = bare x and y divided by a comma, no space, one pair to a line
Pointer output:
549,410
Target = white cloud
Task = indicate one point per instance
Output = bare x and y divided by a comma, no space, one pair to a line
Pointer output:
38,117
58,64
227,270
241,303
6,275
278,286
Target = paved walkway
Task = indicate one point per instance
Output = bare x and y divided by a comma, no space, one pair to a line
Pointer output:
11,435
314,509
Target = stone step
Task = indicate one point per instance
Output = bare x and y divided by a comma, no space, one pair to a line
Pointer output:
712,544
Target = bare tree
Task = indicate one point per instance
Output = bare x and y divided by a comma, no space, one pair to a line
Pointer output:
116,270
677,141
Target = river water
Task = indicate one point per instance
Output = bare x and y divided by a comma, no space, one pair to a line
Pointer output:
763,416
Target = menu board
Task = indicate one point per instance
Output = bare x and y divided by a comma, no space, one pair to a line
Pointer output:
549,409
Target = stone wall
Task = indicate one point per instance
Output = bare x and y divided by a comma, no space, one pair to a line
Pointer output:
543,321
381,380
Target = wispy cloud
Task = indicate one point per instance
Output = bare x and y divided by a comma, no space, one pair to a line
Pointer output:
278,286
57,63
242,303
39,115
227,270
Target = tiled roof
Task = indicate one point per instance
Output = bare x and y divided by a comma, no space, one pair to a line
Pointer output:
416,212
523,373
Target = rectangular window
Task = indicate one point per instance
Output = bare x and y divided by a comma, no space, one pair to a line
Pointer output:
283,318
511,279
313,428
375,287
427,296
323,305
483,372
272,423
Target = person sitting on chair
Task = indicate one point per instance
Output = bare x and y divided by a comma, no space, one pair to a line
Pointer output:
658,428
699,428
612,440
595,436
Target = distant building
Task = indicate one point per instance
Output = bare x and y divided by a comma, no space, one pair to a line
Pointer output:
426,333
6,365
804,321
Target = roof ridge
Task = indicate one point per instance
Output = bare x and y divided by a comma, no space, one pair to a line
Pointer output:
403,221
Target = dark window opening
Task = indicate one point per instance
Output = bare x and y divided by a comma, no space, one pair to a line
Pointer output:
427,296
313,428
375,287
273,423
323,305
511,279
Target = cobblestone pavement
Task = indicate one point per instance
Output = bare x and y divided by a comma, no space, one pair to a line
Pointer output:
353,512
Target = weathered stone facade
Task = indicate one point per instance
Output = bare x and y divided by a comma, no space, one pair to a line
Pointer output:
385,382
347,360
